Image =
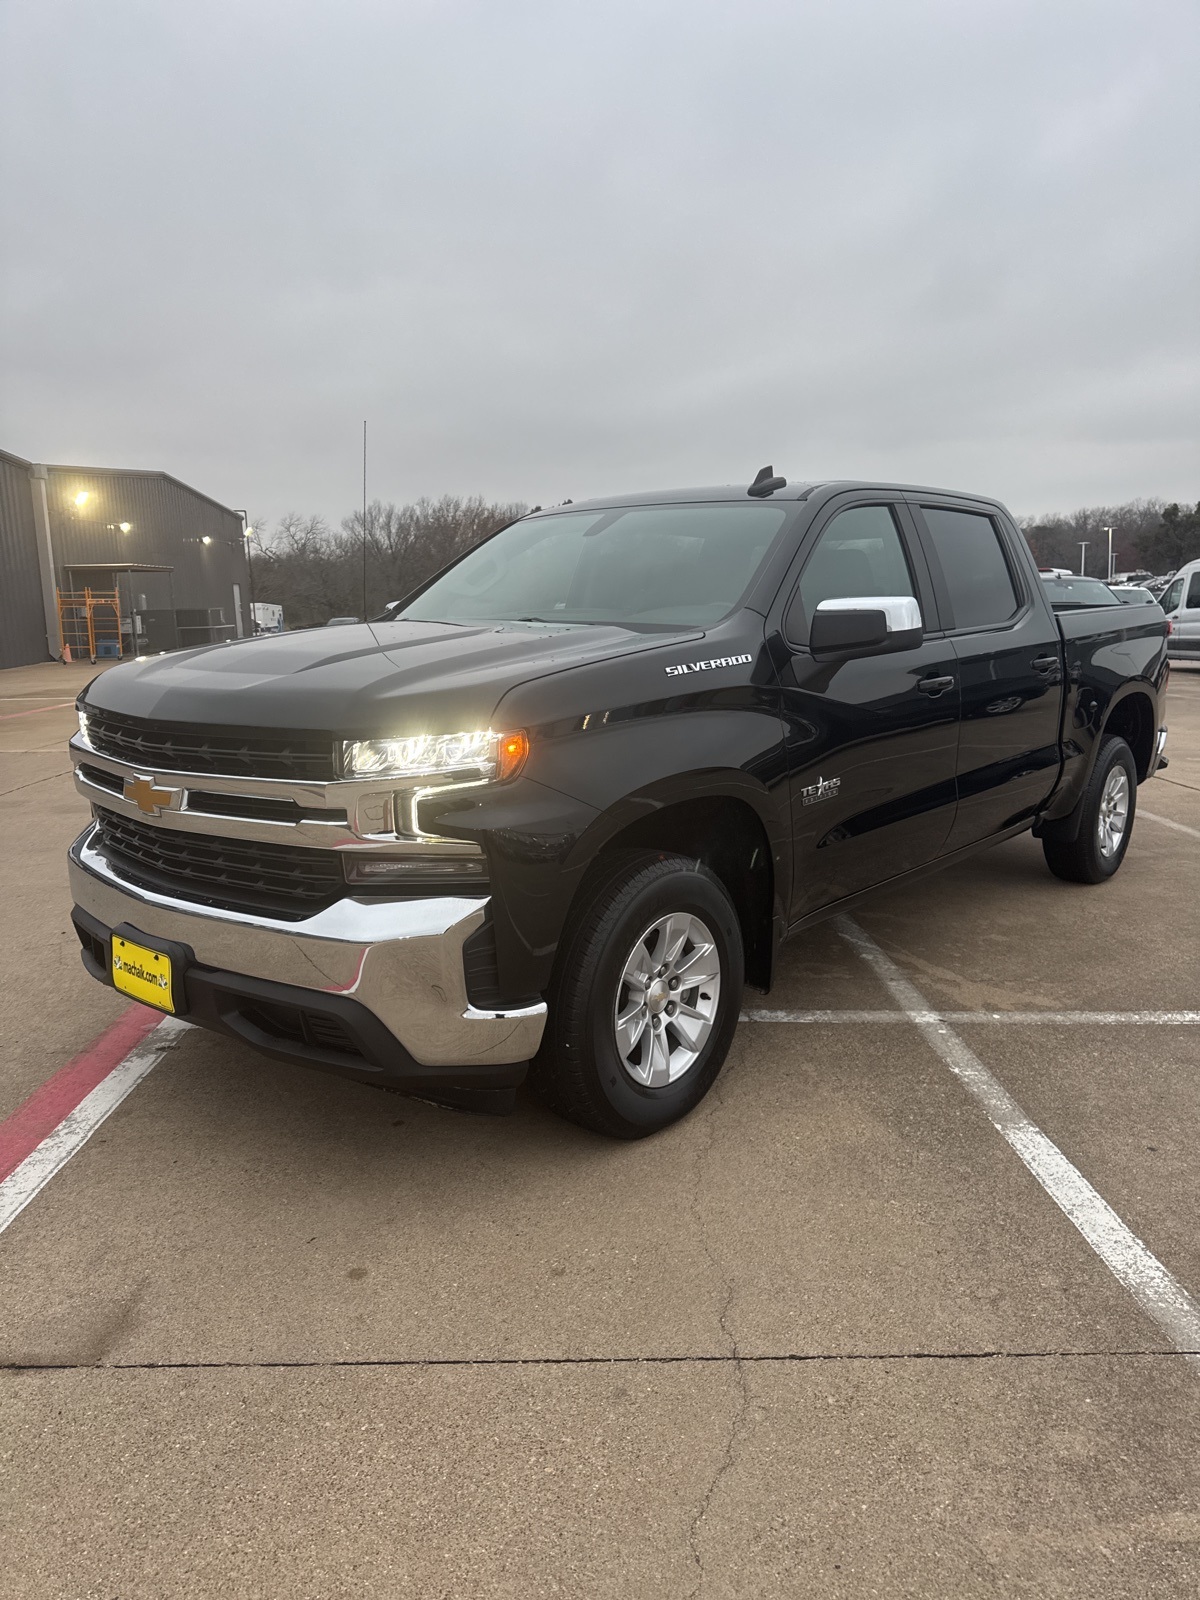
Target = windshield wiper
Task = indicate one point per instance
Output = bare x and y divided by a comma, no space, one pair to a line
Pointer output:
562,622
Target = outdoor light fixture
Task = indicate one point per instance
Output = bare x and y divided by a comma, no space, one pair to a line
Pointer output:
481,756
82,498
125,526
206,538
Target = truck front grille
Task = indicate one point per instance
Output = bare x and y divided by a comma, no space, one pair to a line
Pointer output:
236,874
187,747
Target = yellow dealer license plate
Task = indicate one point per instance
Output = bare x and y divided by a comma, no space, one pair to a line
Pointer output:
142,974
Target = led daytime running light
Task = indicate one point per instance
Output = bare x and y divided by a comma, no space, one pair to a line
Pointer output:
480,754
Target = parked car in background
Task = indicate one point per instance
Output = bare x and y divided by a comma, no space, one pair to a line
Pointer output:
1121,580
1132,594
1181,602
1073,594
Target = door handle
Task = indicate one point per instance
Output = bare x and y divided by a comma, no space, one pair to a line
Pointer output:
1044,663
935,686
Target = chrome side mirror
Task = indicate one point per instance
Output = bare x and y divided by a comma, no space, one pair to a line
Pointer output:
866,625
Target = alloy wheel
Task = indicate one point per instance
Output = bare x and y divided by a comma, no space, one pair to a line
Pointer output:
1114,812
667,999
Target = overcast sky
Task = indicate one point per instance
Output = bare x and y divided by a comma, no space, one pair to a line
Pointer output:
554,249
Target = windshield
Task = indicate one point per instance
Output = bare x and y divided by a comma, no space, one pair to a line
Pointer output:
1067,593
1134,597
640,566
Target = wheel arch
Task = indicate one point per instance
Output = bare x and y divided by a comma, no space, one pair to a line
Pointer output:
1131,716
730,827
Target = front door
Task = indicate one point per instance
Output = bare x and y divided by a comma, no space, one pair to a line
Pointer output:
871,741
1007,648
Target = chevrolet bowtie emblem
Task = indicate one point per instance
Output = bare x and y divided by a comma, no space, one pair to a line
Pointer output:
147,797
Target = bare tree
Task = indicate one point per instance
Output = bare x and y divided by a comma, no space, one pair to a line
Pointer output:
1055,539
316,572
1175,541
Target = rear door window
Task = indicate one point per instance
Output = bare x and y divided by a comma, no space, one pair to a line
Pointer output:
1193,599
966,544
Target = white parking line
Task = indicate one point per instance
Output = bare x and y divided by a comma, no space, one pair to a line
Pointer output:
1161,1296
1058,1019
1180,827
78,1126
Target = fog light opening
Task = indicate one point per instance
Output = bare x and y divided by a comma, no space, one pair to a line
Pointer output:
415,869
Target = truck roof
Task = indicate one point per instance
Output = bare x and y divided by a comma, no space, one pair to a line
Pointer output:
738,492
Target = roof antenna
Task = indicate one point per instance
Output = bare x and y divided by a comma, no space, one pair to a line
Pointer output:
766,483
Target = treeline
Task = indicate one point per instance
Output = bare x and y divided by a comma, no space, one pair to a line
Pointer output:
316,572
1146,533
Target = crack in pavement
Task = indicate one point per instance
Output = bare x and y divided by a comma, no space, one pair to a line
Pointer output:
33,782
739,1360
725,1465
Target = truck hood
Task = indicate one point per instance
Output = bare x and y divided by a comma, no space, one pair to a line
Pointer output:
369,679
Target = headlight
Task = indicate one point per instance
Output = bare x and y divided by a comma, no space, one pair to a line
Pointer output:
480,755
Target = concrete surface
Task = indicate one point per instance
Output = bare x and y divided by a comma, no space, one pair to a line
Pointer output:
270,1333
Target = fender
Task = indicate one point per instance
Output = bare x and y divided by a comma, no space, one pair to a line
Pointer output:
718,783
1088,714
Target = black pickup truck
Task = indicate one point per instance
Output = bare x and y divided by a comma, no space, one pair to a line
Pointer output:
554,809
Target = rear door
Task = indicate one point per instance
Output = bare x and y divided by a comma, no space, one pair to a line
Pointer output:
871,742
1008,661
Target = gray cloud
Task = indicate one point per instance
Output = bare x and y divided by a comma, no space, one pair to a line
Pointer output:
561,249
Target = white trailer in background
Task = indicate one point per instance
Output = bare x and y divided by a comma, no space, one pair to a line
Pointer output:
268,617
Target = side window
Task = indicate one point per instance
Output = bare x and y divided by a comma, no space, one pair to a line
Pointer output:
858,555
1193,599
1171,599
967,545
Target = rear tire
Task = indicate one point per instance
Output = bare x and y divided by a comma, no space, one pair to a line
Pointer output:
1105,817
645,999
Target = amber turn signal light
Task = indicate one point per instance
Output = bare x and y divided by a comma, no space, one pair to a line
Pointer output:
510,757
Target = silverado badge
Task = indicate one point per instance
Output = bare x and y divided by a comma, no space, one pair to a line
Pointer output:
707,666
823,789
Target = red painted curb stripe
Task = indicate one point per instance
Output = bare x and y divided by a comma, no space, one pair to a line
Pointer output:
36,712
24,1130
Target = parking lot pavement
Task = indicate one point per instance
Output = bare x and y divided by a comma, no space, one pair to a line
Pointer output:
272,1333
905,1477
1184,717
49,1008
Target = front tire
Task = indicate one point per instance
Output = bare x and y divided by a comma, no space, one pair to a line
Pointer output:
646,996
1105,818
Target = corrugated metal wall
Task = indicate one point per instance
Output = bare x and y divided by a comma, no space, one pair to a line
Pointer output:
22,621
168,524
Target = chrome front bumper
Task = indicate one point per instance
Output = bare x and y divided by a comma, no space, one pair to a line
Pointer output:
400,959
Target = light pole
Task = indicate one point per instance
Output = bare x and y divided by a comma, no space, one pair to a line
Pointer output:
1109,532
247,535
1083,544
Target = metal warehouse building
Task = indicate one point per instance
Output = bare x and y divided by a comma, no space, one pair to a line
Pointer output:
105,563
